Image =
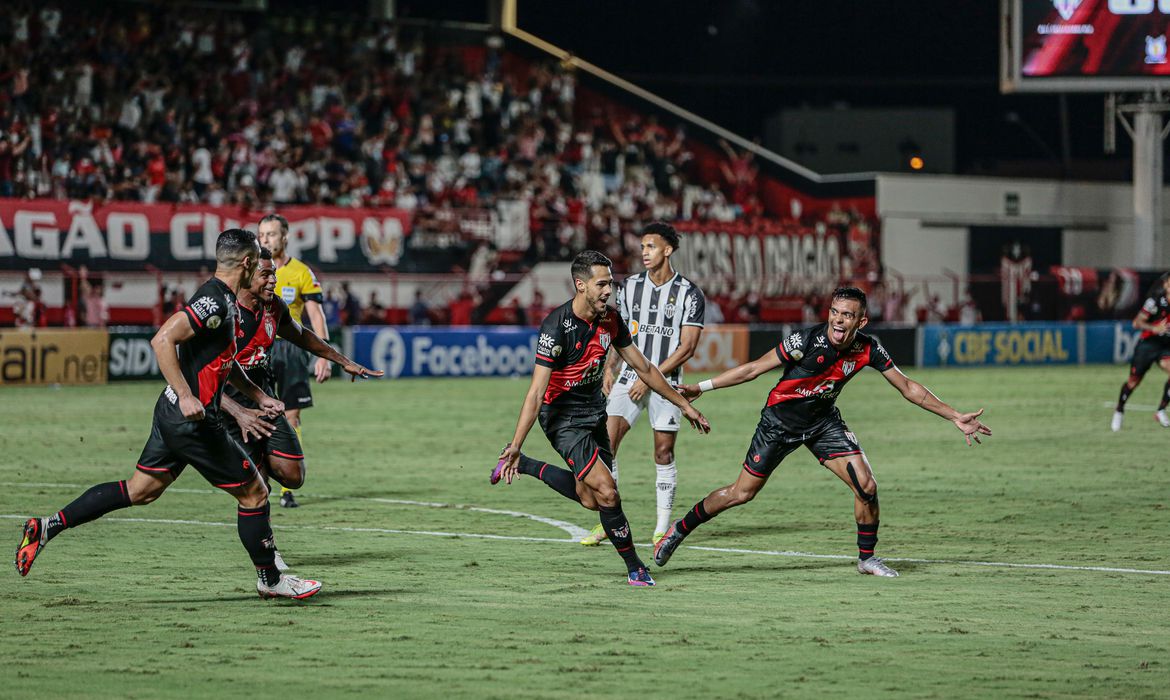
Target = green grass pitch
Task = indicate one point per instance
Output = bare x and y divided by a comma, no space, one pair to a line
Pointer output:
429,593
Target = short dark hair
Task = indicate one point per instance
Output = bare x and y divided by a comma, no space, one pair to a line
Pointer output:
276,217
851,293
265,254
233,244
584,263
661,228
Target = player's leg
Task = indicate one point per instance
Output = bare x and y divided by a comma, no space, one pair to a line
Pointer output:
156,470
563,434
599,482
284,458
770,445
296,394
665,419
837,448
1161,416
621,415
1144,355
293,417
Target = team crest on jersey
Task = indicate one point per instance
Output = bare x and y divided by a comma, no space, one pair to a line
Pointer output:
269,326
848,367
670,309
603,338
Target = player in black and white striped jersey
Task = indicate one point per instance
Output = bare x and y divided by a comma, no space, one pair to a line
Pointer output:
664,311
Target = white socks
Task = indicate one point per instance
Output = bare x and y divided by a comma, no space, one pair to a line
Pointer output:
666,484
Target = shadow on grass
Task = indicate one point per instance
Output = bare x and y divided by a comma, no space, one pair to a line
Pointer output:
324,596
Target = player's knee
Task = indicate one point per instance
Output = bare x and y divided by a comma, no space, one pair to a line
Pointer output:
740,496
664,456
606,497
288,473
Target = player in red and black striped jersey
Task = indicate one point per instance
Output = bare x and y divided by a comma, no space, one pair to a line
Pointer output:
196,350
817,362
1153,320
566,393
271,441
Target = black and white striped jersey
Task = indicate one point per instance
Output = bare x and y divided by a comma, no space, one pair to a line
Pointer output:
656,316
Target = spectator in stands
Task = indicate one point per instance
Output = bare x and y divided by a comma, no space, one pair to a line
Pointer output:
97,310
419,314
462,307
374,314
969,313
536,310
351,307
29,307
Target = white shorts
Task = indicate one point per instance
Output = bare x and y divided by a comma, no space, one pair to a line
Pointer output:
665,417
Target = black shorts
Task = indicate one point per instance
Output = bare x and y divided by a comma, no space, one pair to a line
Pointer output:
283,442
773,442
175,442
1146,353
580,439
290,370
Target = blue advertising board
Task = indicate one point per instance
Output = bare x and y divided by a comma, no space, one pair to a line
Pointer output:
1026,344
475,351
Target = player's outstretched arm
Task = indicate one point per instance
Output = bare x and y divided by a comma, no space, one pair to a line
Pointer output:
688,342
650,374
249,420
304,338
175,331
919,395
528,411
316,316
734,376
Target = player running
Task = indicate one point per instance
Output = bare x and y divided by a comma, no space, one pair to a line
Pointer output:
271,442
298,287
664,312
566,392
189,426
1153,320
817,362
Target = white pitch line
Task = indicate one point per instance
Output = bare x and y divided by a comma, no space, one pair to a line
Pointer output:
724,550
1131,406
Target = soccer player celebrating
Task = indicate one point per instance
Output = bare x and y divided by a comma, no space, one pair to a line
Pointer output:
566,392
189,426
664,311
298,287
1153,320
816,362
271,442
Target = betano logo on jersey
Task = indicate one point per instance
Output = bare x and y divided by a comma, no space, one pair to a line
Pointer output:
655,329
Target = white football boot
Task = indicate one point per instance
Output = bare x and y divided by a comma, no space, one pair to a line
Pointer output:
289,587
875,567
1162,418
279,561
1115,424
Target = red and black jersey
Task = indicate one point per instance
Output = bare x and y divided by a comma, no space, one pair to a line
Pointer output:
258,329
206,359
815,372
575,350
1157,309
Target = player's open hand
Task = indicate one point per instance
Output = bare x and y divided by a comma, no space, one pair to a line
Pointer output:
971,426
271,407
191,407
252,424
697,420
637,390
323,370
690,392
510,456
354,370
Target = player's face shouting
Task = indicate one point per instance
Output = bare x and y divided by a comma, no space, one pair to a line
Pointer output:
598,288
654,249
845,319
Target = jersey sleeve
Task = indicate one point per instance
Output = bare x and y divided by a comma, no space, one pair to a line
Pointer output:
792,348
550,343
879,359
310,288
696,308
206,310
1150,306
621,336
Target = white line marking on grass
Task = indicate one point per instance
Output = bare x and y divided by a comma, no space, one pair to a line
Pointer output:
724,550
1131,406
573,531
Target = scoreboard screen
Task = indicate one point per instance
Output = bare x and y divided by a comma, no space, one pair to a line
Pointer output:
1085,45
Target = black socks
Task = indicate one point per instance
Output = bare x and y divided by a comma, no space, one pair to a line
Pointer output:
695,517
866,539
618,529
560,480
91,505
256,535
1125,392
